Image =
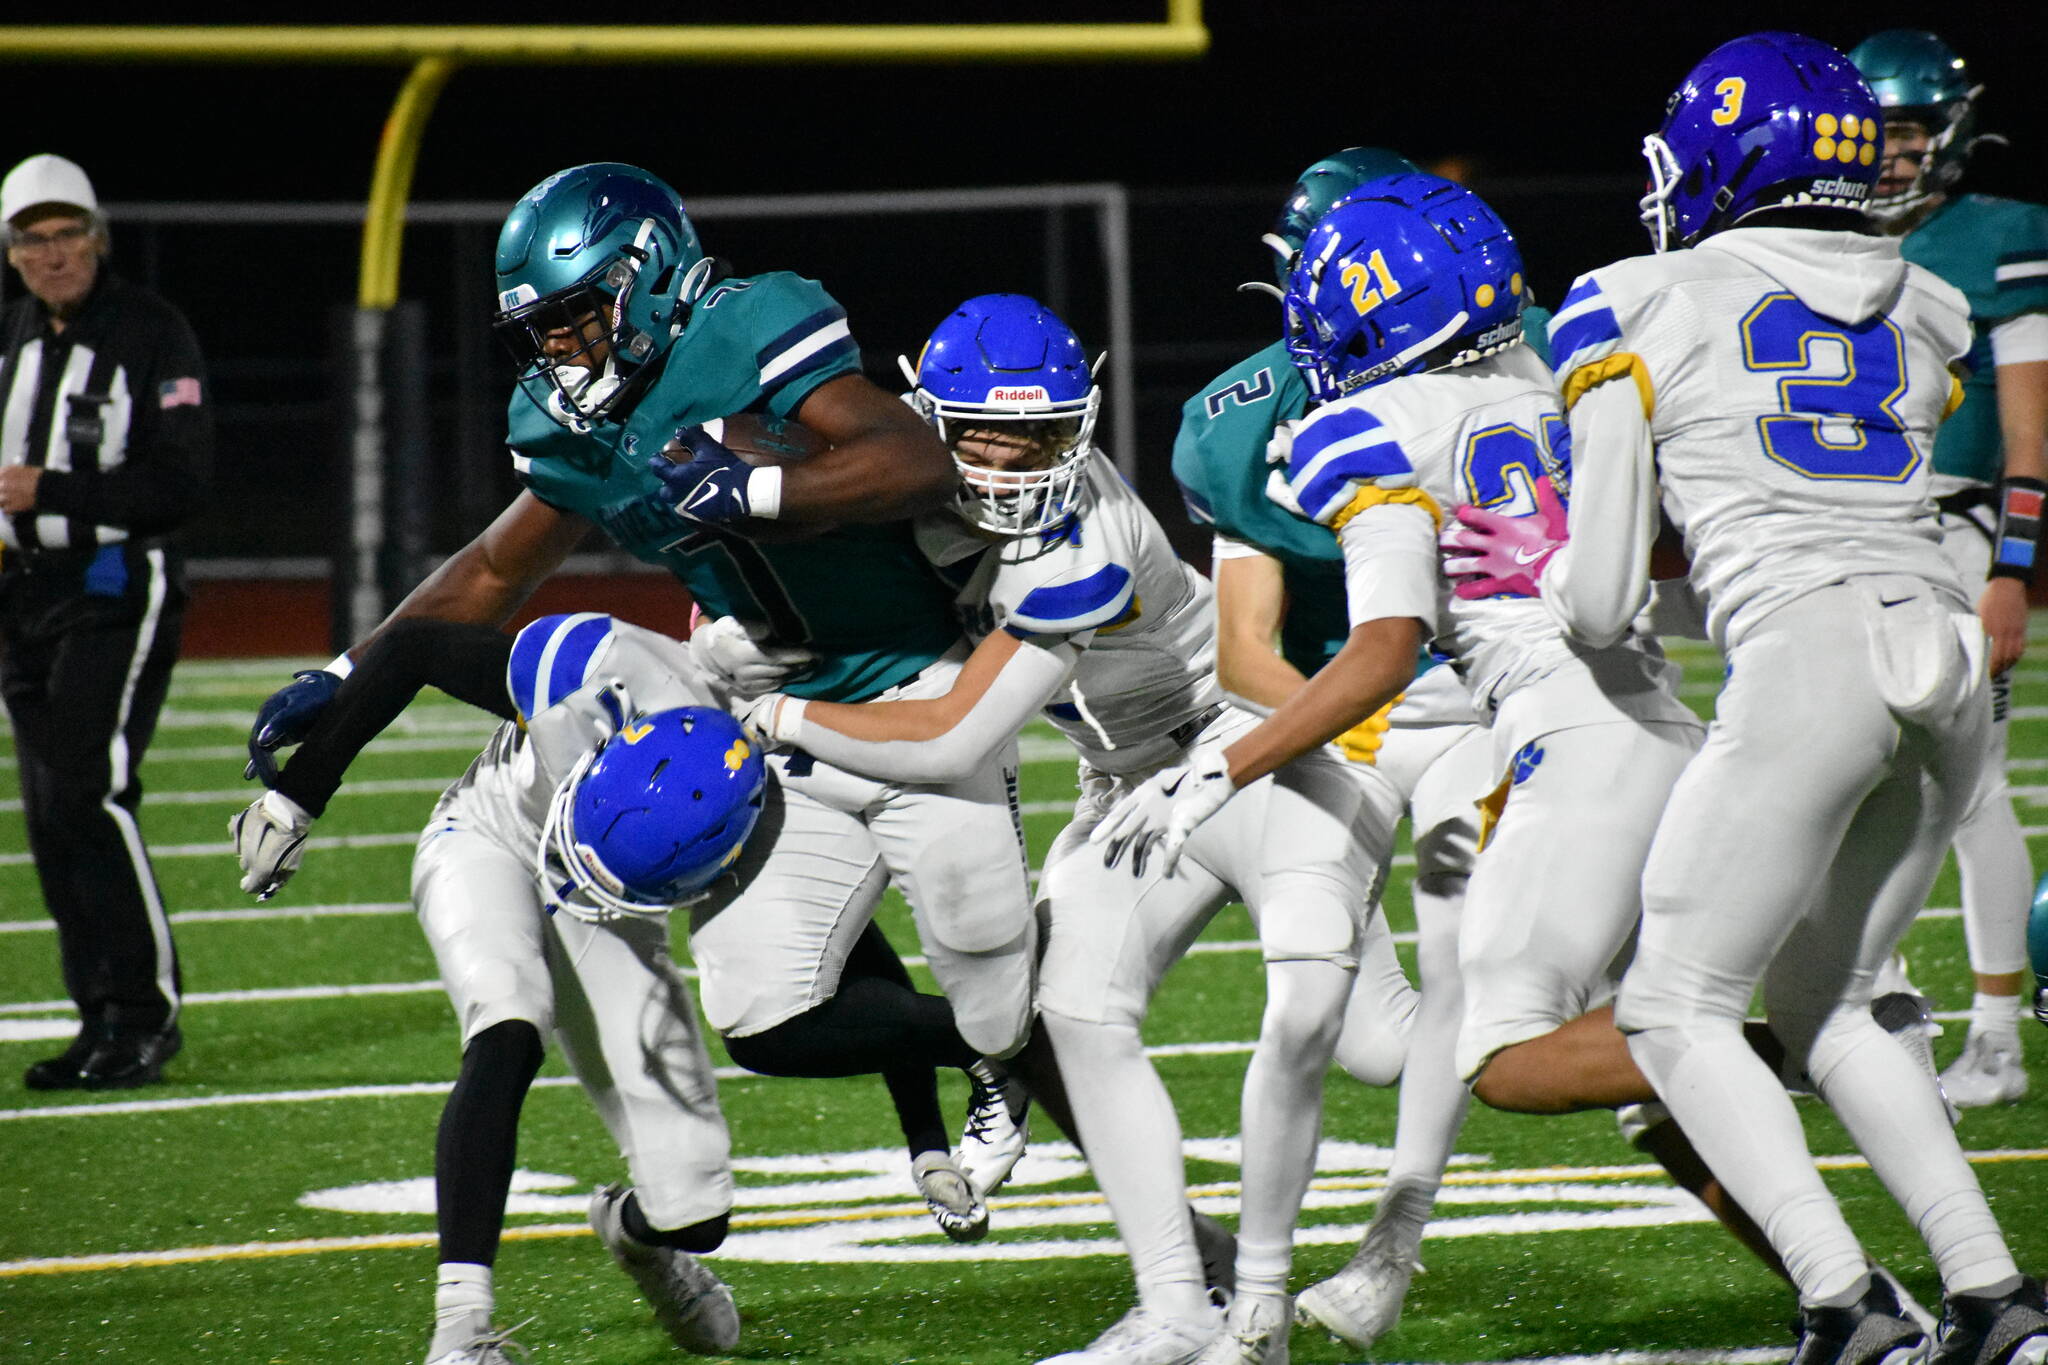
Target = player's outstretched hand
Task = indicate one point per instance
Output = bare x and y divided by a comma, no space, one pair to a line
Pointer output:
286,717
1157,816
738,660
270,838
701,479
1492,554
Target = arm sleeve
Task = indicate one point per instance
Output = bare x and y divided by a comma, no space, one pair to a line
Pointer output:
161,483
1230,547
1597,583
467,662
1027,682
2021,340
1390,564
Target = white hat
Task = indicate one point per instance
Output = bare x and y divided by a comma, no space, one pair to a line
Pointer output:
45,179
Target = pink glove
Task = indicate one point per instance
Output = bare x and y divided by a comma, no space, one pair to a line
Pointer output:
1491,554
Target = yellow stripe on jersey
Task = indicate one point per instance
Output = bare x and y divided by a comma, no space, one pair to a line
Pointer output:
1612,367
1130,617
1372,495
1361,743
1491,807
1955,396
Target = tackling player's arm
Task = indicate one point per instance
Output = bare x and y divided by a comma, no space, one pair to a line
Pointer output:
1251,599
1003,685
885,463
490,578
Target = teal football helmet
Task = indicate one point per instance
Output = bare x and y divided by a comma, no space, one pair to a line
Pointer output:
603,255
1918,77
1316,191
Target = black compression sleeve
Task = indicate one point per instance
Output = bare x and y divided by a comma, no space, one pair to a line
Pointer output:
467,662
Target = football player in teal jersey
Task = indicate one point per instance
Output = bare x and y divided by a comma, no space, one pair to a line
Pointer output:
1280,609
1989,468
631,340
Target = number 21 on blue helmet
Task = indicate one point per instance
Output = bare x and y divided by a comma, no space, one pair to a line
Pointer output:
1411,273
653,816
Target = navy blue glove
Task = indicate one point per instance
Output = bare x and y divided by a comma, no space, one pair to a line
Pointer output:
709,486
286,717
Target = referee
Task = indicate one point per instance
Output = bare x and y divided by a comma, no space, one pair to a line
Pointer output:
105,442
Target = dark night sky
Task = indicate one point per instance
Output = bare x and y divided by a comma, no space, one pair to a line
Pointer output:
1535,88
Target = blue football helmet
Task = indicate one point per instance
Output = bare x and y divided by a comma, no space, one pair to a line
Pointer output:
604,253
651,817
1918,78
1773,120
1316,191
1411,273
1005,363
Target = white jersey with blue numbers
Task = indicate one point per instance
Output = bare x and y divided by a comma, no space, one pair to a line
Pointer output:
1792,381
1109,582
559,670
1419,446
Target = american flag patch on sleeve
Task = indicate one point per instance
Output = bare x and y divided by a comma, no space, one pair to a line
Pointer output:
178,393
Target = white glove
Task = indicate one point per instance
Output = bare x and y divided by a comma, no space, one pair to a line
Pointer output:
1163,810
1280,454
270,837
776,719
735,660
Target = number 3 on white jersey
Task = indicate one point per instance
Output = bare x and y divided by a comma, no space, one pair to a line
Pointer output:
1835,418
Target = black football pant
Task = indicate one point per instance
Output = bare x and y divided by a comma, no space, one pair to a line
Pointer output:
84,673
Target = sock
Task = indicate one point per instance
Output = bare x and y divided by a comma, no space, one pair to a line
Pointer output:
694,1237
1396,1231
477,1145
1846,1298
1262,1268
1132,1136
1997,1016
463,1304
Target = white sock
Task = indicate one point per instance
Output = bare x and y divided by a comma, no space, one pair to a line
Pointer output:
1262,1269
1133,1139
463,1304
1396,1230
1997,1016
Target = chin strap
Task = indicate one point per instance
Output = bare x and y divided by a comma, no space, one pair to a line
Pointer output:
2020,502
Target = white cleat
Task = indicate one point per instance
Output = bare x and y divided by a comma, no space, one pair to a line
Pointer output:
1254,1332
488,1346
692,1304
1141,1337
1988,1072
956,1208
1360,1303
997,1129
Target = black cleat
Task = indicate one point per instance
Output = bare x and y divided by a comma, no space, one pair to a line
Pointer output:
61,1072
1872,1331
2011,1329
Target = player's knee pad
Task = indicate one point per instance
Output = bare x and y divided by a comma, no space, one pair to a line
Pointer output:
1309,919
495,990
1371,1050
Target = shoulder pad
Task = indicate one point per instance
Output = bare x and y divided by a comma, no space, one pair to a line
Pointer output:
1084,597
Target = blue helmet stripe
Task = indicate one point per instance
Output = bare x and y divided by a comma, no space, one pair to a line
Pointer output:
551,657
1064,608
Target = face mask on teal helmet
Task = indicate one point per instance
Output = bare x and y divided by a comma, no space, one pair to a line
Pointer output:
1918,78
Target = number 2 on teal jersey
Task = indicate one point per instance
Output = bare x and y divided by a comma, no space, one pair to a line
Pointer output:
1502,462
1836,419
759,577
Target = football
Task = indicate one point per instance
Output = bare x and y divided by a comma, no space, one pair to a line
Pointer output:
763,442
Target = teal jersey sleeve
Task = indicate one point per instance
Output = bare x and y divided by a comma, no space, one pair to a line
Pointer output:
862,597
1996,252
1219,460
1536,331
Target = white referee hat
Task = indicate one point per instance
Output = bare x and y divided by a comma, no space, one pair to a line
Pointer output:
45,179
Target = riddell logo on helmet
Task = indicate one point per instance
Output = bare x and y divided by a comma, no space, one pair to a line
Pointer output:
1035,394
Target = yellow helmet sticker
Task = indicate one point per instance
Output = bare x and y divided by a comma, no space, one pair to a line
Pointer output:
736,757
633,734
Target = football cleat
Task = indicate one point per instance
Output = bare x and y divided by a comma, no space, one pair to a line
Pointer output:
1254,1332
1872,1331
956,1207
1988,1072
1908,1305
1905,1016
1217,1246
1360,1303
489,1346
692,1304
2011,1329
997,1129
1142,1337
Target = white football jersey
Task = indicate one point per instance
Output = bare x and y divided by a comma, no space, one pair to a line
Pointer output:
1109,581
1480,434
1792,381
505,793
